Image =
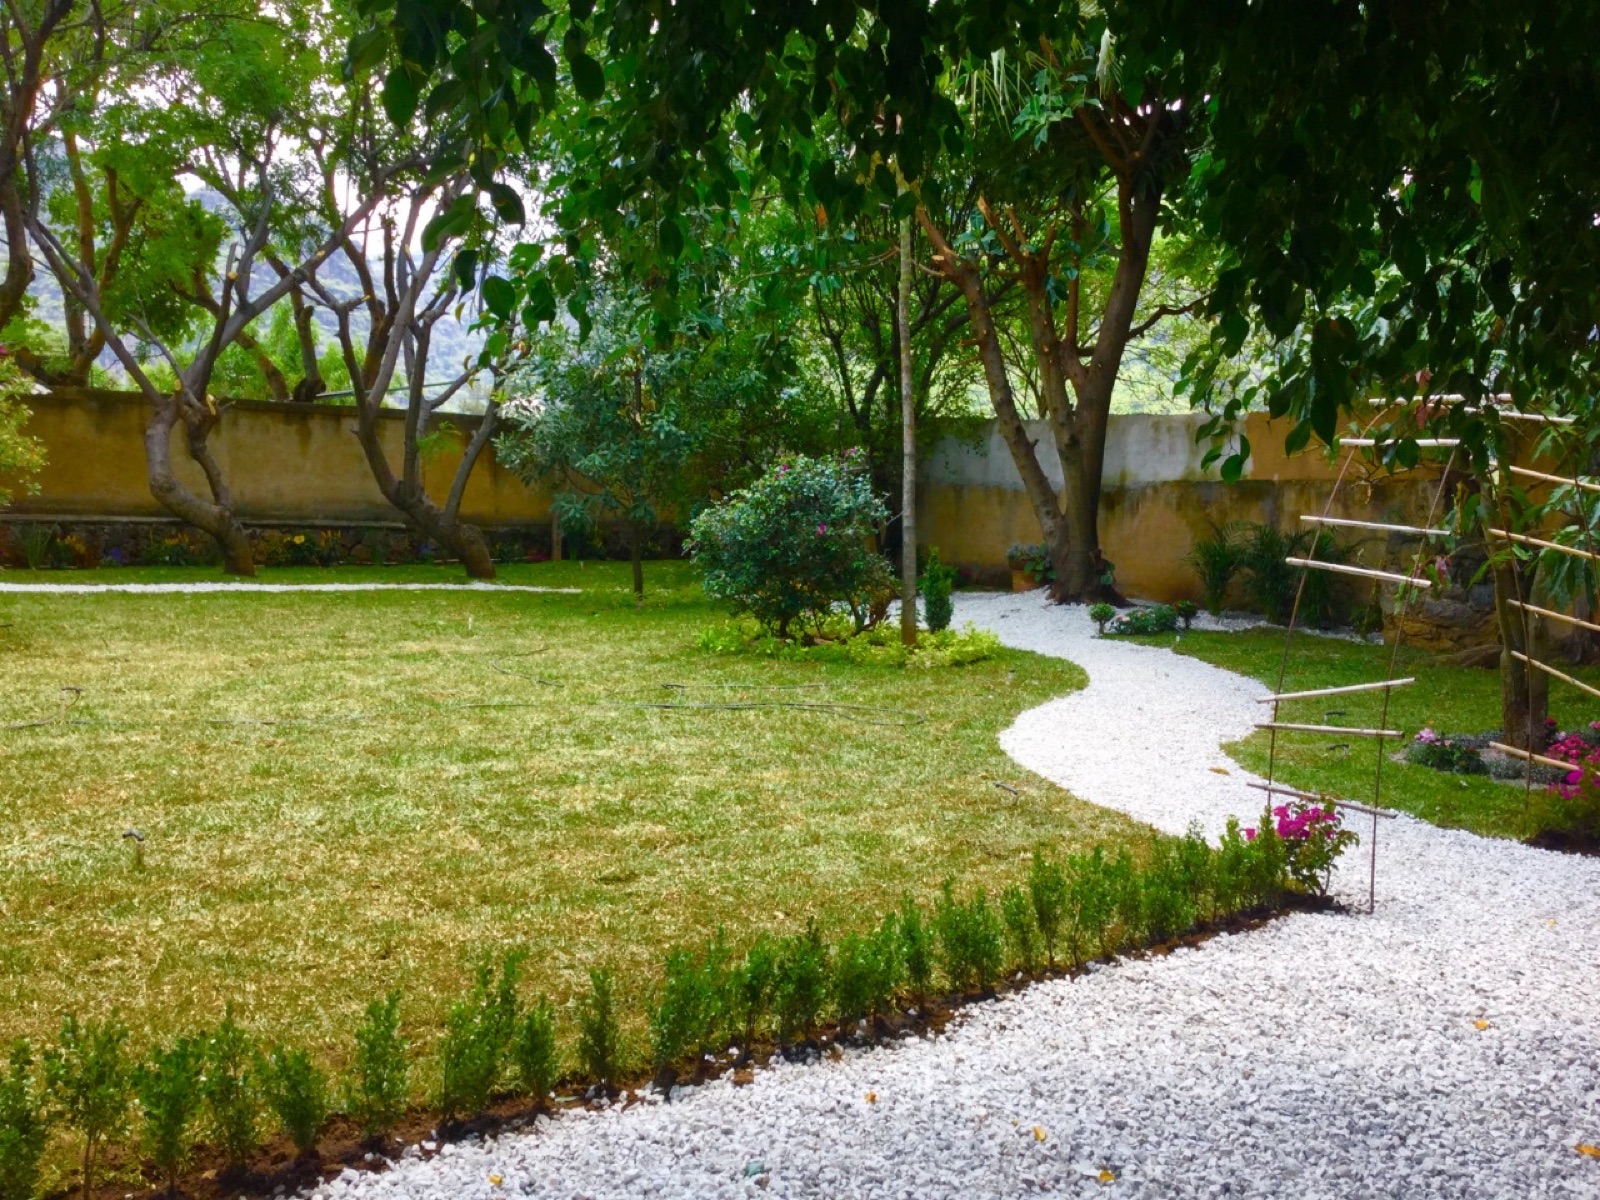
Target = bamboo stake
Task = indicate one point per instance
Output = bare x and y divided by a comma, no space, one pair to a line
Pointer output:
1577,483
1424,443
1536,758
1347,523
1515,414
1554,616
1277,789
1561,675
1291,727
1364,572
1338,691
1533,541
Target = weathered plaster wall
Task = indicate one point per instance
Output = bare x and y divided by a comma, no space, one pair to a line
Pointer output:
288,463
1157,498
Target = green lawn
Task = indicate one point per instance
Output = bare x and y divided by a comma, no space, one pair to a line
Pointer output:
351,792
1452,700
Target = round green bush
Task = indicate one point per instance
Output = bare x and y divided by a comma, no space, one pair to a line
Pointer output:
793,547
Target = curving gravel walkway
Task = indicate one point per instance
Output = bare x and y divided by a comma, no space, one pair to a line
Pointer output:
1447,1046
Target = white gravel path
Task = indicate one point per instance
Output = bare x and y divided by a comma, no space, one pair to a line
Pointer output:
1320,1056
220,586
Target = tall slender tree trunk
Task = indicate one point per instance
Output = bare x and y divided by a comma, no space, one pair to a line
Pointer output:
1524,692
908,451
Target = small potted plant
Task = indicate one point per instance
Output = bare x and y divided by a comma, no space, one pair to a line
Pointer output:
1030,566
1187,611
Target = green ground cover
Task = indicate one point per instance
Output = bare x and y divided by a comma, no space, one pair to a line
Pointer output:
1450,700
344,793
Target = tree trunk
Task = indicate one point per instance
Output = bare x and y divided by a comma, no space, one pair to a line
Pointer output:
1524,692
636,558
908,439
214,517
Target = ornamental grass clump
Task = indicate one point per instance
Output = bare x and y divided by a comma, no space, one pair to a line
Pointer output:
1216,559
792,548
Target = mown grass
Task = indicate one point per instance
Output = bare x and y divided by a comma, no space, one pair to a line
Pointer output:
1452,700
346,793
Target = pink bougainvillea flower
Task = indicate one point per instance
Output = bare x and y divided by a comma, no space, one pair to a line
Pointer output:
821,529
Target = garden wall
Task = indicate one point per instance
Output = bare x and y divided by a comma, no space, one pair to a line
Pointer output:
288,464
300,465
1157,498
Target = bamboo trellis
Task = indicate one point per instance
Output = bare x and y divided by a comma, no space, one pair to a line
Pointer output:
1410,585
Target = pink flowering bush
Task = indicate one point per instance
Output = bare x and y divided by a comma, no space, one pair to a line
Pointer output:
1313,836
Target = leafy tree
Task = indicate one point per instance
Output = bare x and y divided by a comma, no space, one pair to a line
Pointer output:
1382,234
606,426
1066,150
21,456
219,113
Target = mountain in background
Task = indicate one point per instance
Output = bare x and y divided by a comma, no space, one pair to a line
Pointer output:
454,342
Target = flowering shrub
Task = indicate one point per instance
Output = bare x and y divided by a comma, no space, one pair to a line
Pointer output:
1569,809
178,550
1430,749
321,549
1312,836
1161,618
791,548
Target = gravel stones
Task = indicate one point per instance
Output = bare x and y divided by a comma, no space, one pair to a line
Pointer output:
1446,1046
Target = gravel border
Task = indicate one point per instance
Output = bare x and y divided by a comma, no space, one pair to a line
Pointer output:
1446,1046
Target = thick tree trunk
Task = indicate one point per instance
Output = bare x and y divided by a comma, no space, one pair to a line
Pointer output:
214,517
908,441
464,540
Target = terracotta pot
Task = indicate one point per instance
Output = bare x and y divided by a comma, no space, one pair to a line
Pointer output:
1021,581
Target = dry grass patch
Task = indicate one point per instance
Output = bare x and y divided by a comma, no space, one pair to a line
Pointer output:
344,793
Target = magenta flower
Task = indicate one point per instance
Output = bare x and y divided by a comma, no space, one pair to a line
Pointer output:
821,529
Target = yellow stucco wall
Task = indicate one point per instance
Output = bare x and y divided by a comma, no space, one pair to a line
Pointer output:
288,463
1157,502
302,464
